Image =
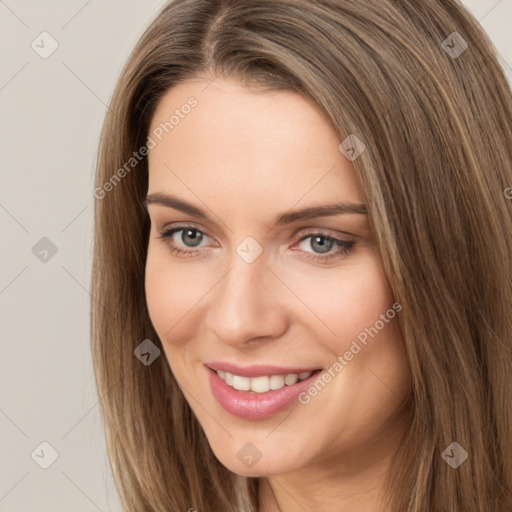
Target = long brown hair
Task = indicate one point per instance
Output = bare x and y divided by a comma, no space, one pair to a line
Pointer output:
434,111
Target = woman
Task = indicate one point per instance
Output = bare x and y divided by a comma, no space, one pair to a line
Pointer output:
302,289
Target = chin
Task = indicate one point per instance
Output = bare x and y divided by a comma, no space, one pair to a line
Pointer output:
250,462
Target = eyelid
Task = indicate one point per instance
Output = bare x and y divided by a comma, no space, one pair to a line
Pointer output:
327,232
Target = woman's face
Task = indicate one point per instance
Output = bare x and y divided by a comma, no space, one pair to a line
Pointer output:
265,295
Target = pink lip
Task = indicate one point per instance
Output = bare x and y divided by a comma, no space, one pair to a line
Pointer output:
256,406
256,370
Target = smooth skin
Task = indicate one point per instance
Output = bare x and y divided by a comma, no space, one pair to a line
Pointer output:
245,157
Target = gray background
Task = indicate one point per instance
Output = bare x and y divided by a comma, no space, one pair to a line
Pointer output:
51,111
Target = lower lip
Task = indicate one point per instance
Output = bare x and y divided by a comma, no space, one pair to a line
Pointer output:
256,406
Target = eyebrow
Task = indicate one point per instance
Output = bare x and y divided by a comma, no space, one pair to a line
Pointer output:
284,218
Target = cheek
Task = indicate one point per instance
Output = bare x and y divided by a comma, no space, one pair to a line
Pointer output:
169,297
176,297
158,292
348,301
169,292
171,289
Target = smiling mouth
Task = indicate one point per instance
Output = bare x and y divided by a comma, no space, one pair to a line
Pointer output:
264,383
259,396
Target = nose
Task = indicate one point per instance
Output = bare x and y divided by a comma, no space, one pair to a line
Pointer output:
248,304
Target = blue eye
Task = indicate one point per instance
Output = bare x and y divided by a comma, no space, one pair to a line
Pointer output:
192,237
344,246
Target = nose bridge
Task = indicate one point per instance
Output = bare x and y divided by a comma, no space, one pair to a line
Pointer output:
244,305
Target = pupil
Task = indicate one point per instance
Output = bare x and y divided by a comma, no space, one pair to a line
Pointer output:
195,239
325,246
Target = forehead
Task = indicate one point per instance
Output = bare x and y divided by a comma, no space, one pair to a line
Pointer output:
247,148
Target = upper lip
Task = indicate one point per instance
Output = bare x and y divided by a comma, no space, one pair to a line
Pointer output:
257,370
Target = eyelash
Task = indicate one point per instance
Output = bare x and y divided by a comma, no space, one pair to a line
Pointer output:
344,245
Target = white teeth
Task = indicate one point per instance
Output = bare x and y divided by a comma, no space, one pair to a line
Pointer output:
276,382
241,383
261,384
291,379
